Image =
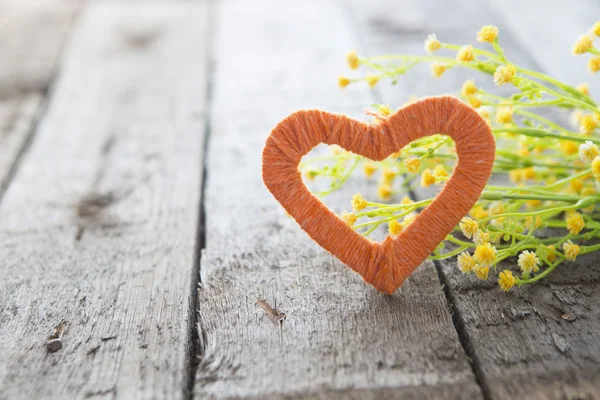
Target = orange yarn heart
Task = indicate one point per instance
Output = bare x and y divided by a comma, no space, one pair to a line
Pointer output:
387,264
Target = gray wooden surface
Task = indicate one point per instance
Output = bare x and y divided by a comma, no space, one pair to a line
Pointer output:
31,36
136,143
98,226
340,334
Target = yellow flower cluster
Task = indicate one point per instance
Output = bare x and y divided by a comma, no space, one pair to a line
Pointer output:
437,69
465,54
506,280
488,34
412,164
571,250
528,261
358,202
395,227
349,218
427,178
504,74
468,227
551,165
575,223
432,44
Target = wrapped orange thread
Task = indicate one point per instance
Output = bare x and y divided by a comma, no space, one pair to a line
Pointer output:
387,264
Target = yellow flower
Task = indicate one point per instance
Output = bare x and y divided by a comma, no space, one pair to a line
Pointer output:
394,227
529,173
427,178
583,44
596,29
482,272
504,115
469,88
440,171
388,176
343,82
568,147
588,191
370,169
571,250
478,212
409,220
528,261
432,44
349,219
516,175
437,69
523,151
575,222
372,80
468,227
583,88
465,262
506,280
550,253
358,202
587,124
481,237
532,203
384,191
588,151
384,110
496,208
504,74
412,164
352,60
529,222
594,64
576,185
596,168
465,54
487,33
406,200
485,254
485,114
474,101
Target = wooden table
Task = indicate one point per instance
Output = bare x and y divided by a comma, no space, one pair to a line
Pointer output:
132,208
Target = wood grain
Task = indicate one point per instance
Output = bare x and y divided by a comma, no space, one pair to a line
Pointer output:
341,338
522,343
31,36
98,226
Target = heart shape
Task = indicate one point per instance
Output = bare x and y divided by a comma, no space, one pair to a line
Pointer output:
387,264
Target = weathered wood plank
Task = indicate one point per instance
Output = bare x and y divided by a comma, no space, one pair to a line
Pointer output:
341,338
522,347
31,36
98,226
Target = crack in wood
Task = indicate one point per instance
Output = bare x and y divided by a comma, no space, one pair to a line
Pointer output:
463,336
197,336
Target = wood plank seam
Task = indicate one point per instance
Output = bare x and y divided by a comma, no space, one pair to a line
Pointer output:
463,335
197,336
46,94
